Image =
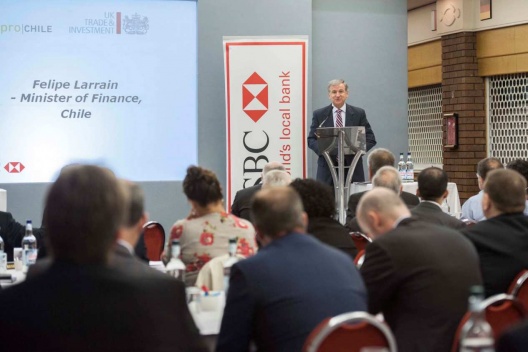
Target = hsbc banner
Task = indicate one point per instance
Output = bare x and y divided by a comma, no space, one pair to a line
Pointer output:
266,90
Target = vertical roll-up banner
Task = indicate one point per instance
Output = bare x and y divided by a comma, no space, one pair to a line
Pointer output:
266,92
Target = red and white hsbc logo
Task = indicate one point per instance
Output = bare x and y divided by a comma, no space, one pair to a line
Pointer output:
14,167
255,97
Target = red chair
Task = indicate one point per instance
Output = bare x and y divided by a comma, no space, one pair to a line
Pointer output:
350,332
154,236
519,288
502,312
359,259
360,240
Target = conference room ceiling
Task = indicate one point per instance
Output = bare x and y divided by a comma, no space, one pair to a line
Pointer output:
413,4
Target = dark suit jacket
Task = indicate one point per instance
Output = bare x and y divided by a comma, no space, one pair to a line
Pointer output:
432,213
332,233
502,245
242,202
515,339
418,275
278,296
12,233
351,222
323,118
94,307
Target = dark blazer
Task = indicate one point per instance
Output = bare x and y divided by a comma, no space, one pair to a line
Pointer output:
502,245
418,275
242,202
278,296
94,307
332,233
515,339
432,213
323,118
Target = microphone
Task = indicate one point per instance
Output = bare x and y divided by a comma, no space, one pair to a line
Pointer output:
322,123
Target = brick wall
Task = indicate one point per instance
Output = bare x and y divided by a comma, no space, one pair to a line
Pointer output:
463,92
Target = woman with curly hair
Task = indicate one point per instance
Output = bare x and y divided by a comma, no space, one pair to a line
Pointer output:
205,233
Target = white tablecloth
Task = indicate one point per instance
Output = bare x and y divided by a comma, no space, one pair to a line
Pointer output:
453,200
3,200
19,276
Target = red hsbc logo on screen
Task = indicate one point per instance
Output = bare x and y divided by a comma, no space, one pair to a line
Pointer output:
255,97
14,167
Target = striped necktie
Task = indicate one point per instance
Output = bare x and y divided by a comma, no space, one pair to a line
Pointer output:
339,120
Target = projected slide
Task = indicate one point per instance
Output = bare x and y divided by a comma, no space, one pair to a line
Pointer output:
112,83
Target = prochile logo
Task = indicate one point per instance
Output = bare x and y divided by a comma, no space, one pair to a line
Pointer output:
14,167
255,97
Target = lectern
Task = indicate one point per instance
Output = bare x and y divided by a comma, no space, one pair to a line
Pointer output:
341,141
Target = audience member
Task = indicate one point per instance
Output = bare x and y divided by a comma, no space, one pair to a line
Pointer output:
242,202
82,304
432,189
502,239
276,178
472,208
521,166
377,158
277,297
319,204
206,232
514,339
417,274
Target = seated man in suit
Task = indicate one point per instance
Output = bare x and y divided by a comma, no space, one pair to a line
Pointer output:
377,158
242,201
276,178
432,188
502,239
417,274
277,297
80,303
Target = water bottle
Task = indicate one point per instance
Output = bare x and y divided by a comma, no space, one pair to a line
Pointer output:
175,266
402,168
230,262
477,335
409,166
29,246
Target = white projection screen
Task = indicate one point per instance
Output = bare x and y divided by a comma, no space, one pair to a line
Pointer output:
106,82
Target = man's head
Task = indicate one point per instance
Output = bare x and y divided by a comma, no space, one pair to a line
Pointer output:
484,166
378,210
503,193
135,216
432,184
378,158
272,165
521,166
388,177
277,211
338,92
276,178
85,207
317,198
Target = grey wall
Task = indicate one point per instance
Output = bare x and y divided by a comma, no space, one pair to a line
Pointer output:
372,39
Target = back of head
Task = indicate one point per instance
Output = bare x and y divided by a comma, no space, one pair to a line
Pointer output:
486,165
432,183
384,202
378,158
84,209
202,186
276,178
519,165
317,198
272,165
276,211
506,190
136,203
388,177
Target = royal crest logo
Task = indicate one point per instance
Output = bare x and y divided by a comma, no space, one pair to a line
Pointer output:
136,24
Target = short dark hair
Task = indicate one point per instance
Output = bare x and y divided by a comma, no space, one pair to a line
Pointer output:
506,189
276,210
317,197
519,165
432,183
486,165
136,200
84,209
378,158
202,186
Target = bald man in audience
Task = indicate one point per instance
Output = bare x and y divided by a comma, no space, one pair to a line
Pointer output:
276,178
472,208
417,274
432,189
501,240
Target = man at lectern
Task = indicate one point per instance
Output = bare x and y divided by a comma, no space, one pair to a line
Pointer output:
339,114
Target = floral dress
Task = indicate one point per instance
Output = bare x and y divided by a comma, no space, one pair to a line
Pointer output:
207,236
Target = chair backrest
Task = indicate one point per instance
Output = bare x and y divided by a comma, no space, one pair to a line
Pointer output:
350,332
502,311
359,259
154,236
360,240
519,288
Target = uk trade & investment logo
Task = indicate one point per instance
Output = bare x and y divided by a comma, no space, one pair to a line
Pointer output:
112,23
255,97
14,167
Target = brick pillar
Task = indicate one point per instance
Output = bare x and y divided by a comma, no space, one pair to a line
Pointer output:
463,92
